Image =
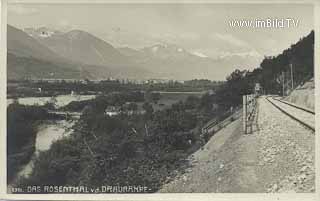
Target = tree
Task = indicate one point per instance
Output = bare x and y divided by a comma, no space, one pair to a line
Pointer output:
148,108
155,97
132,107
192,102
152,96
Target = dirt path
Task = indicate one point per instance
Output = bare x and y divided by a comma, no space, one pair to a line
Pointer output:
277,157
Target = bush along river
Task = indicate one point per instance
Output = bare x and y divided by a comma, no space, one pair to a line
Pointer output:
47,131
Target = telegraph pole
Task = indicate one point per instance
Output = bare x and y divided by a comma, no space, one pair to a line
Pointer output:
283,83
291,76
244,115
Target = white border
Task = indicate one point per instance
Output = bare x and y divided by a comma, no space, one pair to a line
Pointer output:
159,196
317,92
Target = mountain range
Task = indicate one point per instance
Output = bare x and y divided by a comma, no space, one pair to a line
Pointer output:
49,53
81,46
29,57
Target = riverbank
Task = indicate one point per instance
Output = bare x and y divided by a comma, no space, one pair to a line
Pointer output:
23,125
48,132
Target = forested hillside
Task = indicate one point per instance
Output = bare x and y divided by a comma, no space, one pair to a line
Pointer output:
300,55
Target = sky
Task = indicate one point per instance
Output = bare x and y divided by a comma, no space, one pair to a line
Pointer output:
203,29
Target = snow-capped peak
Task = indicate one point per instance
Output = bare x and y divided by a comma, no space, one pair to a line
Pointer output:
166,47
199,54
41,32
155,48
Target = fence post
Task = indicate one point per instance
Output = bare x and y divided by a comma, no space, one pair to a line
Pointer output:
244,104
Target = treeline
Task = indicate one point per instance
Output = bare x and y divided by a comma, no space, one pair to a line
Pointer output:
111,99
22,124
300,55
25,88
188,85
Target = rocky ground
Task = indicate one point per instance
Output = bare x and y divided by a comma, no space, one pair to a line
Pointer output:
302,115
303,95
277,156
288,149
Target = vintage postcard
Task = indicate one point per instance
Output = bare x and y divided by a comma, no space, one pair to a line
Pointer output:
159,98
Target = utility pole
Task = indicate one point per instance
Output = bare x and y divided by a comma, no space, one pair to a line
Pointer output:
291,76
244,115
283,83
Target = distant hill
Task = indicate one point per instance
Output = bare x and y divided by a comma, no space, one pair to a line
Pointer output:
41,32
23,45
29,67
166,61
131,53
175,62
83,47
29,57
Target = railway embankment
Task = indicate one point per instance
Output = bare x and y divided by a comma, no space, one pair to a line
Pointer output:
277,156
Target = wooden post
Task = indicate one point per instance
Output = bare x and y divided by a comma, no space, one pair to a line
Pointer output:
146,127
292,85
244,104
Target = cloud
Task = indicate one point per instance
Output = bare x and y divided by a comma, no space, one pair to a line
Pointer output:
63,23
22,10
252,53
231,39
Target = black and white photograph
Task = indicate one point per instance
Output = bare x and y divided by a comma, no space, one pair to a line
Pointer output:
157,98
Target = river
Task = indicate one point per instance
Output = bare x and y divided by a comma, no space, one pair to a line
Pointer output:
48,132
62,100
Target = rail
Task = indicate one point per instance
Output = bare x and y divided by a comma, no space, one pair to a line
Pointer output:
295,106
290,115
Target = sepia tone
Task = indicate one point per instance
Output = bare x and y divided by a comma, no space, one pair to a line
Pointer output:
160,98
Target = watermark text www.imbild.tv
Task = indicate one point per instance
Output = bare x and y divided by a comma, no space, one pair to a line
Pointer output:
264,23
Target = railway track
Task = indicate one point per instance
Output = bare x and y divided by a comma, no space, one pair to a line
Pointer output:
293,105
301,115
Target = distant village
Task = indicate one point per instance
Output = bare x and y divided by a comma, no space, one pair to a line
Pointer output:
110,79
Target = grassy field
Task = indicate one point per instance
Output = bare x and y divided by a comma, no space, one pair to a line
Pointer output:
167,99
